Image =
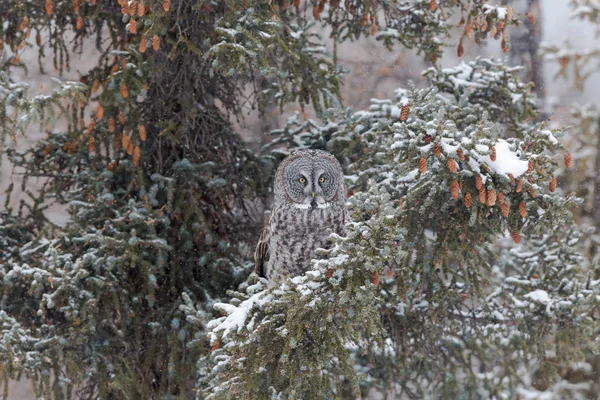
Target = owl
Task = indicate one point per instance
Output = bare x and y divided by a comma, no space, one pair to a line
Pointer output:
309,205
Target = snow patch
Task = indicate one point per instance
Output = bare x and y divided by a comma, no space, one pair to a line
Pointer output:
538,296
507,162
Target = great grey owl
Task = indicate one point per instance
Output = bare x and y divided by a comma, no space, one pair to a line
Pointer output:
309,205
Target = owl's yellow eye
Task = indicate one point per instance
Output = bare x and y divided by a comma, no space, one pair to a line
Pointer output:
302,179
322,179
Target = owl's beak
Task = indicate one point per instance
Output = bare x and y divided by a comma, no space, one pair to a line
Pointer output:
313,195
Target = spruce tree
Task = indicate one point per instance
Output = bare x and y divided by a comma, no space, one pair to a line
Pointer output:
165,204
420,299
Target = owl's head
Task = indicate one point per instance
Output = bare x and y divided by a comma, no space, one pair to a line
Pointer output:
310,179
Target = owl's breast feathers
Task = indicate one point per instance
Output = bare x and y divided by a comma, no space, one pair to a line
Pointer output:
295,233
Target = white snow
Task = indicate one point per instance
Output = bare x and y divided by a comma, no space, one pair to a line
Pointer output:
394,112
538,296
237,316
507,162
551,137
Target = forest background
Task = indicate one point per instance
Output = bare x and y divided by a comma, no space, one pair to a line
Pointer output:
374,72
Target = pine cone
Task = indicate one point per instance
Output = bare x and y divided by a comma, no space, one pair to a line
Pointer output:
422,165
143,44
142,133
404,113
519,186
515,237
141,9
492,153
505,209
79,23
532,193
454,189
155,42
468,200
92,145
124,91
512,178
523,209
568,160
95,85
49,7
125,141
461,154
91,126
111,124
100,112
552,185
504,44
482,196
478,182
437,150
329,273
501,198
491,197
136,156
375,278
452,165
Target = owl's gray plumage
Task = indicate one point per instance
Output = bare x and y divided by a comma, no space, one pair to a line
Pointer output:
309,205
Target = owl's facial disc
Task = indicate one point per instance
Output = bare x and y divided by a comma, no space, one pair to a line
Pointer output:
311,184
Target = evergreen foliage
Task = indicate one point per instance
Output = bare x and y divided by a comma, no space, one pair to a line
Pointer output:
165,203
463,317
